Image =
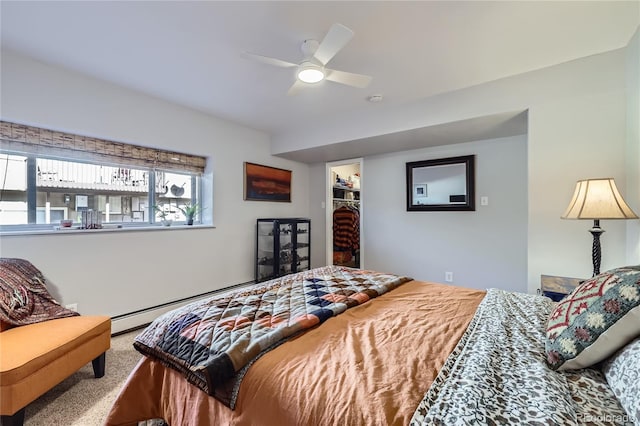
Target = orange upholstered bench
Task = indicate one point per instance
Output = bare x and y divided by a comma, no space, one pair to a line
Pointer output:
36,357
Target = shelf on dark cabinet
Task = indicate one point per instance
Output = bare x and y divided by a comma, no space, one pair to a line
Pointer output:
282,247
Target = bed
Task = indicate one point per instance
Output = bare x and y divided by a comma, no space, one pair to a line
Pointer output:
410,352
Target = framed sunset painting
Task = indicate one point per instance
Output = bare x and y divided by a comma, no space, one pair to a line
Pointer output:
264,183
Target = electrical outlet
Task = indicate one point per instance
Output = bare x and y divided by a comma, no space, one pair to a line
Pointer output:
448,277
72,307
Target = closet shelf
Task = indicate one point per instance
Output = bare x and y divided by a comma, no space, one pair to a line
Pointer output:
346,188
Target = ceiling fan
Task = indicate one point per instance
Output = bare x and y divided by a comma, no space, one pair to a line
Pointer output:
313,69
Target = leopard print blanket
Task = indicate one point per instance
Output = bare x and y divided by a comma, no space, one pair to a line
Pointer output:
497,374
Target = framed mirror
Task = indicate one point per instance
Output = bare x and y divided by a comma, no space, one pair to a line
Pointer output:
444,184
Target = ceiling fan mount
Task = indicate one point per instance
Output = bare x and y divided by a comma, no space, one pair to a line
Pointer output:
312,69
309,47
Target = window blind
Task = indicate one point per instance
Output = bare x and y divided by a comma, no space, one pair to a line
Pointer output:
50,143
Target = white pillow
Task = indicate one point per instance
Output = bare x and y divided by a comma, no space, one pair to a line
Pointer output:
622,372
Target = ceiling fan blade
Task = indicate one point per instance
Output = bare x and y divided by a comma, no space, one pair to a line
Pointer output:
271,61
337,37
295,87
348,78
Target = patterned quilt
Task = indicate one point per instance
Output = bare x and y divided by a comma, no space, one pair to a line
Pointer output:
212,342
498,374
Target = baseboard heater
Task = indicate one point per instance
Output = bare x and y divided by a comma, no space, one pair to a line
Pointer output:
137,319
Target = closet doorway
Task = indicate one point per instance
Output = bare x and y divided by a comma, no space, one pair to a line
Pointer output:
344,213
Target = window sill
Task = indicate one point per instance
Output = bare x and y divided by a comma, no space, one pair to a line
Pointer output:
149,228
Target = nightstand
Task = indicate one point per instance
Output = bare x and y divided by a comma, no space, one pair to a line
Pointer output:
557,288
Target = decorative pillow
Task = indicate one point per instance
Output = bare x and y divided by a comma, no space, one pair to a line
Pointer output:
622,372
24,299
599,317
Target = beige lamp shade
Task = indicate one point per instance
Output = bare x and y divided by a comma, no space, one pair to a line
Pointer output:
598,199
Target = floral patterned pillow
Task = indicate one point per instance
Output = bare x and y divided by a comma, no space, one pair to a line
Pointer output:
599,317
622,372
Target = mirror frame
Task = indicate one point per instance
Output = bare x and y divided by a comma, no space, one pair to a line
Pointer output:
469,205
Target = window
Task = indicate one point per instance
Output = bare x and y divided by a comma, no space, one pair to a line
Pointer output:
174,191
128,186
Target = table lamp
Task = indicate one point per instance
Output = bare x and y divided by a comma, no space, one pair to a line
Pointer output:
597,199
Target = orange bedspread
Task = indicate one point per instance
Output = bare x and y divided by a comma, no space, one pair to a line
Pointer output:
371,365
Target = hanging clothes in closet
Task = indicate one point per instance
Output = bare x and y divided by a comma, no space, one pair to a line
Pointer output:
346,234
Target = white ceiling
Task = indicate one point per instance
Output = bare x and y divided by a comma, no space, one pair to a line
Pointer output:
191,53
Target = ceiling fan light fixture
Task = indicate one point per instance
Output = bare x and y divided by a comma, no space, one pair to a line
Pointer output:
310,73
312,69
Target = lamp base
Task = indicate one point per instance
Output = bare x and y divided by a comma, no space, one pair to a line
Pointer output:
596,252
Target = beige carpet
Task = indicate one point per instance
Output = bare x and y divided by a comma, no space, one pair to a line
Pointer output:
82,400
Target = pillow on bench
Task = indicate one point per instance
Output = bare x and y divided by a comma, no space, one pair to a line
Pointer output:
24,299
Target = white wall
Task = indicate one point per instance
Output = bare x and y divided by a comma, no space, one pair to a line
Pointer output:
577,129
595,125
633,147
116,273
317,199
483,248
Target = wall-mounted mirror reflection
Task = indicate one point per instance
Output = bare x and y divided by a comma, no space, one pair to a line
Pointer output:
441,184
